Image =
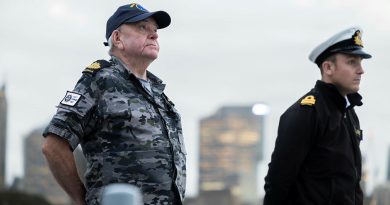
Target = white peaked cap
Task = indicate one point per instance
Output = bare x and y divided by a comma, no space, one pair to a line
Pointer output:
348,41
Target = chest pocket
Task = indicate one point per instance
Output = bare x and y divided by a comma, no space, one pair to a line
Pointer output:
131,122
116,108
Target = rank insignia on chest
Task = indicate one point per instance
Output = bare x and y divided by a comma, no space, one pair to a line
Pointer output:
358,133
308,100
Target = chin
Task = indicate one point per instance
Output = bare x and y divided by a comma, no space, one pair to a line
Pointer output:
151,56
154,57
355,90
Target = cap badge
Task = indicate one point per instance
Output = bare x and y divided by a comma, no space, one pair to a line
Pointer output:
308,100
139,7
357,37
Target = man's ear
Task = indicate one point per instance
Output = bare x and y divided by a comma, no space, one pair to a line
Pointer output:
328,67
116,41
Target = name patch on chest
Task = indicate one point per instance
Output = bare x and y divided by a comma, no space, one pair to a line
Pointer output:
71,98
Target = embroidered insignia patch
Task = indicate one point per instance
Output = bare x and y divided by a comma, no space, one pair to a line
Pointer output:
70,98
357,38
308,100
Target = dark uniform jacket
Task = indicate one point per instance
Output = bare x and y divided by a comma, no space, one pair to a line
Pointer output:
128,134
317,158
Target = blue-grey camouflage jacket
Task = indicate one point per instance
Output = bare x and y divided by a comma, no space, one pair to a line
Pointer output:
127,134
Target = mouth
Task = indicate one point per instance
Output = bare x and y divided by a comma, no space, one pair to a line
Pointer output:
151,45
357,80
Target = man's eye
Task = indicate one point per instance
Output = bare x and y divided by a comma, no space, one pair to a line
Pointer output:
142,27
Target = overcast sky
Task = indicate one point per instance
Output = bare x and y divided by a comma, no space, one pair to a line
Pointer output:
214,53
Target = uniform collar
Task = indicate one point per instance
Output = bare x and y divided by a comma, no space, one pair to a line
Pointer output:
331,93
155,82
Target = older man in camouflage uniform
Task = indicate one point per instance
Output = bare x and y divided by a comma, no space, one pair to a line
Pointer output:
129,130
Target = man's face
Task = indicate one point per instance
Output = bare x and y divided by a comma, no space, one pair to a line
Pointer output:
140,39
346,73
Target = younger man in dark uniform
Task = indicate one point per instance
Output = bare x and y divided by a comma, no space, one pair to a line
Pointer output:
317,158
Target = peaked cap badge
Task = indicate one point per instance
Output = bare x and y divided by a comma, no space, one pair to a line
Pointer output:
357,38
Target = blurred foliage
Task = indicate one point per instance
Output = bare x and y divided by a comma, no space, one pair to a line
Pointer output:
20,198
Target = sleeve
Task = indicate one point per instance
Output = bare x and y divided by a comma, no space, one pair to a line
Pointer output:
74,112
293,143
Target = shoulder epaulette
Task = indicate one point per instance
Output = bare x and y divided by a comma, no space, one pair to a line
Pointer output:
96,66
309,100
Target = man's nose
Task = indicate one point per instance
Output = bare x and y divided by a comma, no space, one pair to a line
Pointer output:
153,35
361,70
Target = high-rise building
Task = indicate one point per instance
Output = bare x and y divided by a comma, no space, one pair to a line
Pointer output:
381,195
230,149
3,135
37,176
224,197
388,166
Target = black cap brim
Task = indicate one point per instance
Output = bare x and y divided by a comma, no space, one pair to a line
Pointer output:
358,52
162,18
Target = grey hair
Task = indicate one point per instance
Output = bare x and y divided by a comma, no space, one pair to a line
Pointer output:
109,41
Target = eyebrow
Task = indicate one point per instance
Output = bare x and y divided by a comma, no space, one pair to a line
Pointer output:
148,21
347,55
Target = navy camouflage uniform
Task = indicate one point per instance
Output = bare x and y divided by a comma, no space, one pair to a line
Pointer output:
128,134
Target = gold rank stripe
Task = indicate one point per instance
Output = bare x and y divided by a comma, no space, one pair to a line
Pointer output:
94,66
308,100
